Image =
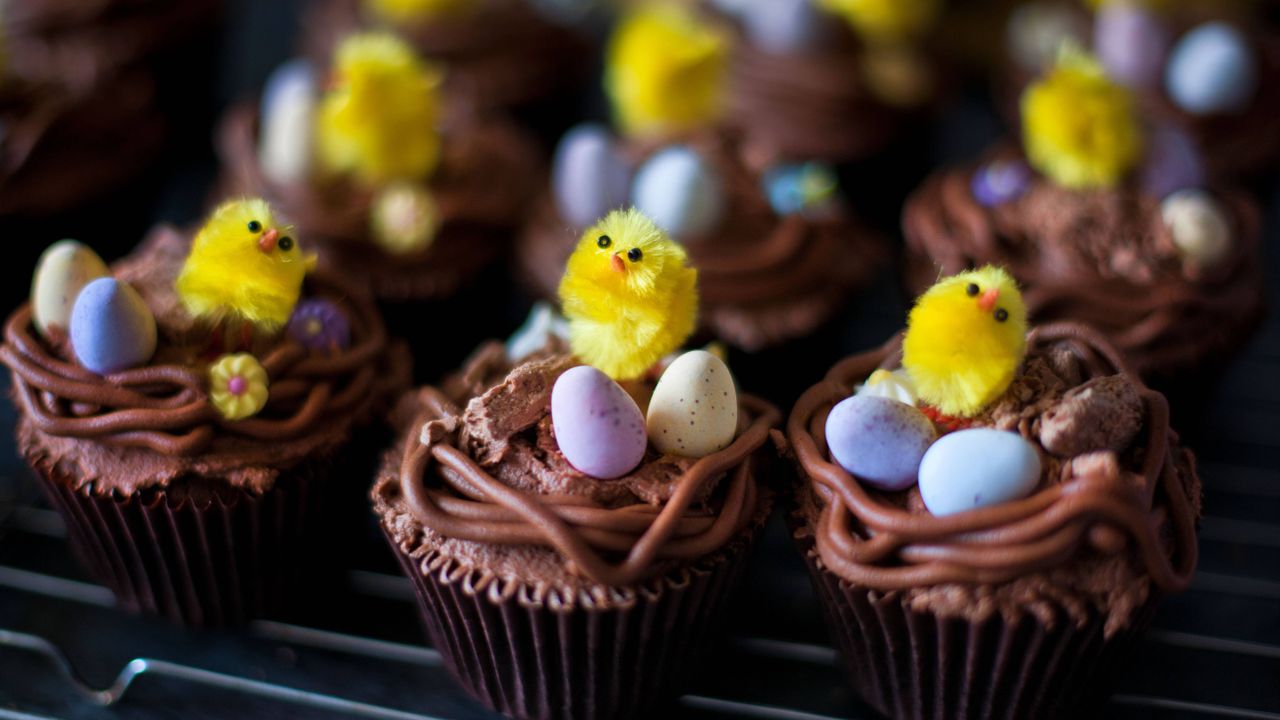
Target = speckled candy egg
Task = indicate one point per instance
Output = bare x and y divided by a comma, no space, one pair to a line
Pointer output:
1198,226
694,408
589,176
680,192
783,26
1212,70
284,134
63,270
1171,162
1131,43
112,329
599,428
976,468
879,440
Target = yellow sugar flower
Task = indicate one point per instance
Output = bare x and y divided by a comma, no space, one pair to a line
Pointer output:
665,70
1079,128
407,11
886,20
238,386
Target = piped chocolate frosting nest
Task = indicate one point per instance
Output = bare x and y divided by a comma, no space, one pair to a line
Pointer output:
762,279
1101,257
483,490
149,426
481,189
1111,521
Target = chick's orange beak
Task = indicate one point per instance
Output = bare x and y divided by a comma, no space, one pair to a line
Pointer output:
618,264
267,242
987,300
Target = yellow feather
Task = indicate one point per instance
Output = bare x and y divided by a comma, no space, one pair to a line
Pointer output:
960,356
624,321
228,276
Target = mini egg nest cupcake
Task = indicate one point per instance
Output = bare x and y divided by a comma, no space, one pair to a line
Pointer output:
777,249
989,524
572,553
499,55
1125,234
186,432
829,79
1207,68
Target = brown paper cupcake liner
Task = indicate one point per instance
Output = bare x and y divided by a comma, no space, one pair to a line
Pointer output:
909,664
199,553
529,657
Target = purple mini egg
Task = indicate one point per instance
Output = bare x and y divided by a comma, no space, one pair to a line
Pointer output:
112,329
1172,162
1000,181
319,325
589,176
598,426
878,440
784,26
1131,43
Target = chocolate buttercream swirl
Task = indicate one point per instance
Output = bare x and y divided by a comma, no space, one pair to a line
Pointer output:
1104,258
762,279
481,189
611,543
869,540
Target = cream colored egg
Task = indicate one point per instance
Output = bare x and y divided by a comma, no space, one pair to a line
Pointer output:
62,271
694,408
1198,227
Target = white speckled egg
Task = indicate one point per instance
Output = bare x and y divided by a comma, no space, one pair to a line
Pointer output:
589,176
694,408
1037,30
975,468
1212,70
1197,226
598,426
1131,43
284,133
65,267
112,329
680,192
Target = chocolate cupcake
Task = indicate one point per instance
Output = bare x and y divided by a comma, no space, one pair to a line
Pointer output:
1163,262
998,561
193,483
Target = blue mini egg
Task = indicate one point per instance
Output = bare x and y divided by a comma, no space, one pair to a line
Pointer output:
680,192
1131,43
112,329
784,26
976,468
589,176
879,440
1212,70
796,188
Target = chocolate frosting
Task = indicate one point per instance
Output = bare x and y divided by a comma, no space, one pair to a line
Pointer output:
487,487
762,279
1103,526
150,425
1101,257
482,188
499,53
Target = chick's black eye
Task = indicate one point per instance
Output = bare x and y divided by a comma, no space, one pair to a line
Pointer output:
255,226
634,254
604,241
972,289
286,243
1001,314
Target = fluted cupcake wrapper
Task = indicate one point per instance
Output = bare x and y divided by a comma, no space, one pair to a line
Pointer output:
909,664
528,659
220,560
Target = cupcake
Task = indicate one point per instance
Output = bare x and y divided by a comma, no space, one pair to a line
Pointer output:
572,554
777,249
185,426
989,517
1105,221
1208,68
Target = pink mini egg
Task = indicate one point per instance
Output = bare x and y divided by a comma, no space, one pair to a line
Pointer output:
598,426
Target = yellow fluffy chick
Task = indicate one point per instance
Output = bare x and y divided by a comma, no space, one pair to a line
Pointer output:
965,339
628,295
243,268
377,120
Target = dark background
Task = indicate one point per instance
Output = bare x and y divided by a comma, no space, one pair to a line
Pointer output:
356,650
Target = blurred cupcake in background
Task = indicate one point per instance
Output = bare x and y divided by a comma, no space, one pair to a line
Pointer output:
1208,68
1103,220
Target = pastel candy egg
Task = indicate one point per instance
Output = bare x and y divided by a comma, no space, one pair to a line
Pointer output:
680,192
112,329
976,468
599,428
1172,162
1197,226
1000,182
892,384
796,188
694,408
1037,30
1131,43
589,175
1212,70
879,440
783,26
284,133
63,270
